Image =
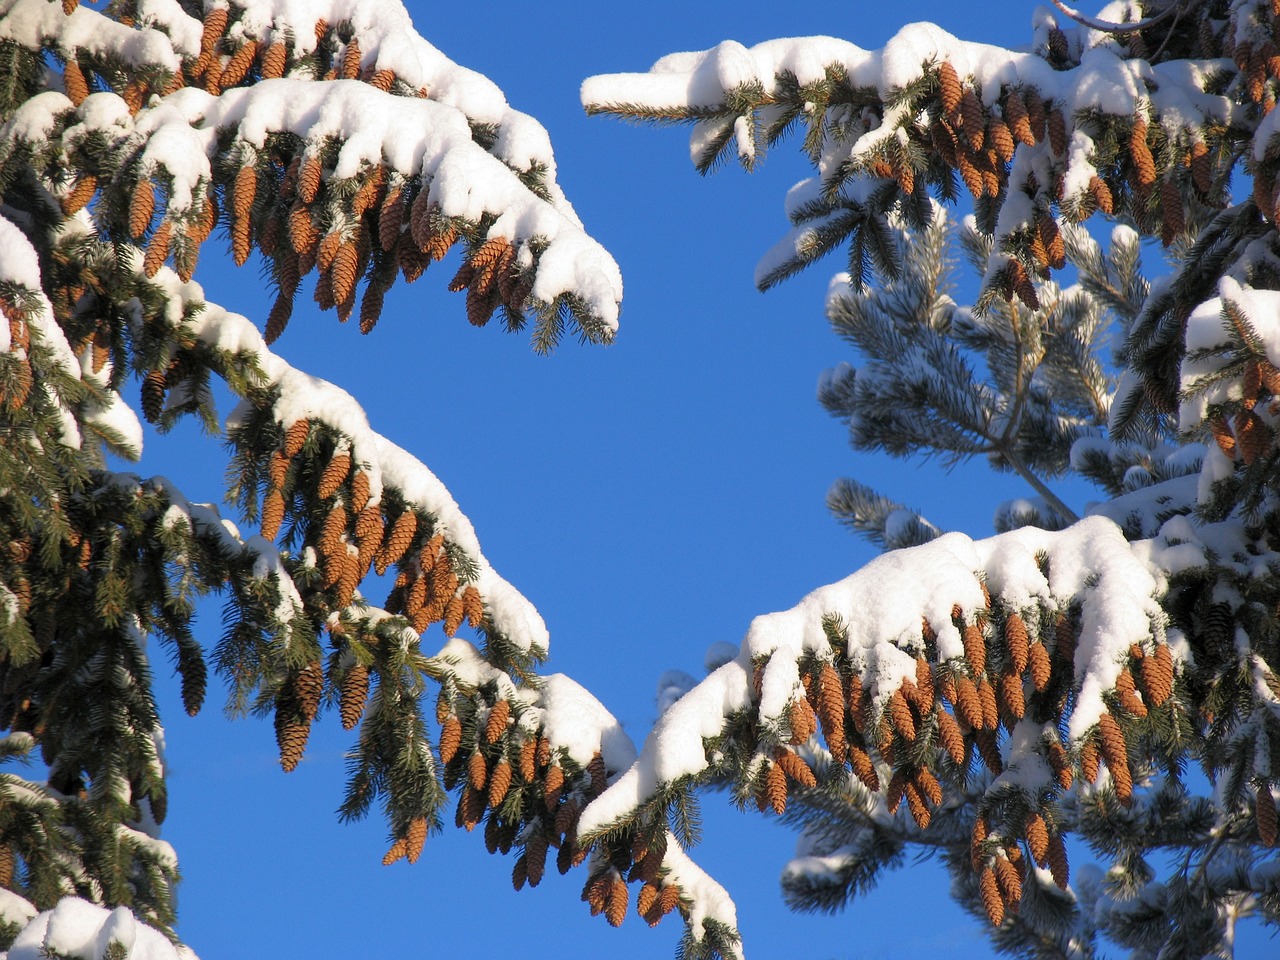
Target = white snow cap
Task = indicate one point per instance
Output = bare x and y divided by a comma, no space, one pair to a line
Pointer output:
84,930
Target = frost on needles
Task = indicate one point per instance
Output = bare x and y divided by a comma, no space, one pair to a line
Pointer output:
994,701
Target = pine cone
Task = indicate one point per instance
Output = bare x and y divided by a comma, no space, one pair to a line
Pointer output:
1201,168
989,749
1117,756
331,543
453,616
450,738
552,784
1265,813
1015,637
355,691
398,540
1057,132
1035,113
272,513
528,754
596,770
1011,698
535,852
1040,669
334,473
1037,833
383,80
595,892
1058,866
970,174
74,80
863,767
948,88
975,649
1008,879
951,738
309,175
273,61
477,771
1171,207
295,436
142,205
291,737
925,685
978,843
794,767
968,705
1060,762
989,889
157,249
1101,195
774,788
1065,633
238,66
397,852
307,687
1000,139
1015,115
1144,164
802,721
215,25
415,838
153,390
900,716
987,700
647,899
351,60
499,783
974,119
497,723
928,785
1089,760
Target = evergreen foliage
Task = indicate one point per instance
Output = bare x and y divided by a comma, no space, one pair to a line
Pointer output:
1110,678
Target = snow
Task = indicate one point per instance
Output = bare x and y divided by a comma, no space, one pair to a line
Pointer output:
882,607
302,396
576,723
83,930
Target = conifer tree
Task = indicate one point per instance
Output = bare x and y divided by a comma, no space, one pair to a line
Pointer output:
990,700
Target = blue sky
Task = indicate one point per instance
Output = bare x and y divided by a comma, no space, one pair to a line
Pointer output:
649,497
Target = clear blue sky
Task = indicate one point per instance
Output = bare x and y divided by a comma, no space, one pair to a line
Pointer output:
649,498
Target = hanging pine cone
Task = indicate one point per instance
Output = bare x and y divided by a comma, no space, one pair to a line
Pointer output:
153,390
794,767
1265,813
991,899
1037,833
974,119
307,688
1060,762
499,783
415,838
291,737
355,692
1057,124
552,785
1143,162
1117,756
397,851
1058,865
295,436
496,725
333,475
1009,880
1015,115
398,540
383,80
949,91
477,771
309,175
80,194
74,81
450,738
142,205
273,507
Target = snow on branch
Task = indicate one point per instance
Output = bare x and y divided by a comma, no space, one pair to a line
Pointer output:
299,398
